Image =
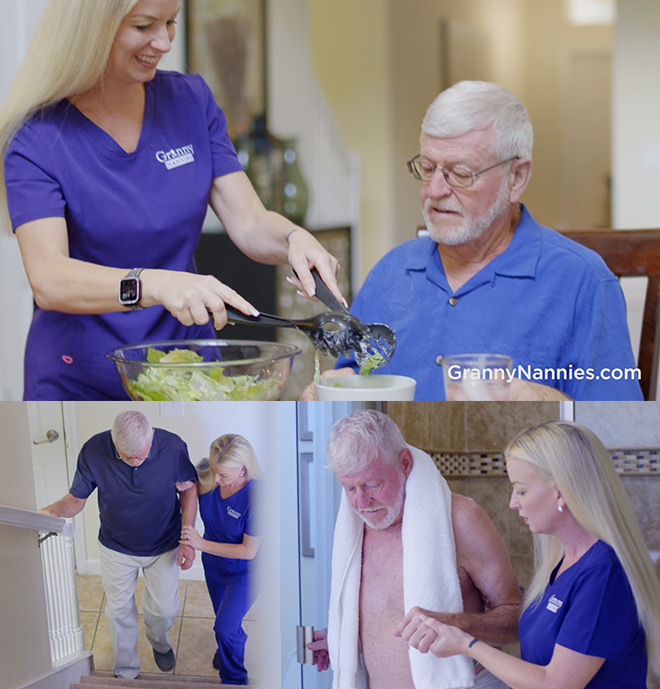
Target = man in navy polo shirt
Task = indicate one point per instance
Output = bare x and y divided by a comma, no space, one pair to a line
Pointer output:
146,492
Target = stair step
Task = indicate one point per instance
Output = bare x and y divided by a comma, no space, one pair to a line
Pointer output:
213,681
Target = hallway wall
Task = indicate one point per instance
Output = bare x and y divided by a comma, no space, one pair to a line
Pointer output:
24,649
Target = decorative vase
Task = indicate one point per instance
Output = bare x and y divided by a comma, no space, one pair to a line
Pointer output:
293,197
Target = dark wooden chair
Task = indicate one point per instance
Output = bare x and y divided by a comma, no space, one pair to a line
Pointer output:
634,253
631,253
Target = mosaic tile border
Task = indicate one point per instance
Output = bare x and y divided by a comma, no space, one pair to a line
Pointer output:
453,464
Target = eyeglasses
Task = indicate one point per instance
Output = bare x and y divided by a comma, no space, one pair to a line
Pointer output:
131,458
456,176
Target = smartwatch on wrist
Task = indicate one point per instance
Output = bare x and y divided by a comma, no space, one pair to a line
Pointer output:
130,289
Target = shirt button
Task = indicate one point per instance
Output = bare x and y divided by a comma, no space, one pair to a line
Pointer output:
438,359
453,301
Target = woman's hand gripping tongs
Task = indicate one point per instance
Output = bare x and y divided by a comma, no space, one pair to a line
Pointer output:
333,332
375,341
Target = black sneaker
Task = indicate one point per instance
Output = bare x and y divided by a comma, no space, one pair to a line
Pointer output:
165,661
216,661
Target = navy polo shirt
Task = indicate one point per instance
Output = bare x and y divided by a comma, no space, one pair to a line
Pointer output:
139,506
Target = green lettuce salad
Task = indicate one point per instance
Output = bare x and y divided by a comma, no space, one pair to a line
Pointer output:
374,361
157,383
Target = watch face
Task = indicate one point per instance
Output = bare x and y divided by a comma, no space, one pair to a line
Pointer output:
129,291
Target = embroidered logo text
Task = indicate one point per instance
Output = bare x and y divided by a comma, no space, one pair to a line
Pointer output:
554,604
233,513
176,157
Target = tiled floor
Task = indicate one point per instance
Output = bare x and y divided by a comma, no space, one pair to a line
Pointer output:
191,635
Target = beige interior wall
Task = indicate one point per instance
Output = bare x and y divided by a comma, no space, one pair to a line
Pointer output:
636,114
351,59
635,132
25,650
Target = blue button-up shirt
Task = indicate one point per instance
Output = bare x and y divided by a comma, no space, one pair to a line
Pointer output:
548,302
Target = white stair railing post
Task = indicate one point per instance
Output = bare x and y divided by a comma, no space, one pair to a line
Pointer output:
64,629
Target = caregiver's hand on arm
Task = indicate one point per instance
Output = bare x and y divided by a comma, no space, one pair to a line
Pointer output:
567,669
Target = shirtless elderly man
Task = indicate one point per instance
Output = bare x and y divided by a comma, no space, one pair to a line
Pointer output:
455,566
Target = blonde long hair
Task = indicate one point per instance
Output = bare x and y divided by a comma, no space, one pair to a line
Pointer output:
573,458
231,450
67,56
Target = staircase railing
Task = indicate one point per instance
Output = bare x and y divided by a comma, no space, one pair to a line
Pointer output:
65,631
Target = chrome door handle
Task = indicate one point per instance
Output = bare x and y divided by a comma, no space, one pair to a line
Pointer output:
304,636
51,437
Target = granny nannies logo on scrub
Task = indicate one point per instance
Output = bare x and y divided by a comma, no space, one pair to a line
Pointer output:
540,375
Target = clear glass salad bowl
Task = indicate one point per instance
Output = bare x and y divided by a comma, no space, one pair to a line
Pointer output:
202,370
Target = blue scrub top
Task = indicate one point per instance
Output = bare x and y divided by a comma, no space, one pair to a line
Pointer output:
590,609
139,506
546,301
125,210
227,520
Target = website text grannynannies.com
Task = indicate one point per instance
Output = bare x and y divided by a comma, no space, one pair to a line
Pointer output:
541,375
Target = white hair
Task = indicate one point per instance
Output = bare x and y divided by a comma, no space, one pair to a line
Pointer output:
478,105
360,438
131,431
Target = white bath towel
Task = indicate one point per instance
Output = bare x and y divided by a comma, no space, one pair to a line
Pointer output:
430,580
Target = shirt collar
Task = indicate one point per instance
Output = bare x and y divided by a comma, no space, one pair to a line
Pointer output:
520,259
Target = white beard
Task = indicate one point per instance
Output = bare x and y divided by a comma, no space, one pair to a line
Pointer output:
392,514
472,227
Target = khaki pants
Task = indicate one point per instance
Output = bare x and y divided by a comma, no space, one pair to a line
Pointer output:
160,605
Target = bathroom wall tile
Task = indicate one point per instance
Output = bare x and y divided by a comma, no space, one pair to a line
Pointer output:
490,425
458,485
493,495
620,425
644,493
430,425
523,566
520,537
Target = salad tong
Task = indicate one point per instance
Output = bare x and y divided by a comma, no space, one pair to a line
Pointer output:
333,332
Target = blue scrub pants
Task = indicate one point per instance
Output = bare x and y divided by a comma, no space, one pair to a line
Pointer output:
231,601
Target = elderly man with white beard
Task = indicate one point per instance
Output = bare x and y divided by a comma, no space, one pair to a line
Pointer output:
405,544
489,278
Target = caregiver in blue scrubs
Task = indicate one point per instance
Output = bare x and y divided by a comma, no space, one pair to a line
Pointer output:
226,505
591,616
109,167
